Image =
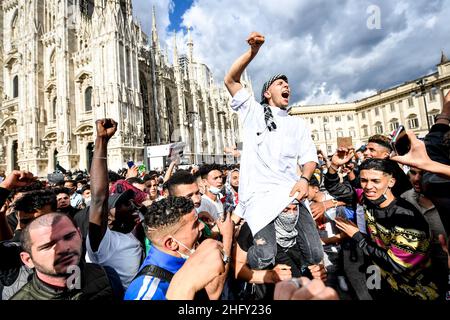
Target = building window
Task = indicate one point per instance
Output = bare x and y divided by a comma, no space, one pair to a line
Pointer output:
365,131
349,117
363,115
329,149
53,111
431,116
88,99
340,133
393,125
432,96
413,122
325,119
337,118
311,120
410,102
377,111
378,128
15,86
392,107
315,136
352,132
431,119
327,135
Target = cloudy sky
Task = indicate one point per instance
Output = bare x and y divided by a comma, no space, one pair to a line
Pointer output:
331,50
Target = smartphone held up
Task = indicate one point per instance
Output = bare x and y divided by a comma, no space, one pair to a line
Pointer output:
400,143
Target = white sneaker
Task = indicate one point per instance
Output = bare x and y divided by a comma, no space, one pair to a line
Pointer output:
342,283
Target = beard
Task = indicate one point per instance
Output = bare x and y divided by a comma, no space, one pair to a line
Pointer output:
59,271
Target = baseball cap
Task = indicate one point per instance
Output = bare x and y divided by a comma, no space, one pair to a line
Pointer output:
117,198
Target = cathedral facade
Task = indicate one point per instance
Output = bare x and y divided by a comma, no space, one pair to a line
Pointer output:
68,63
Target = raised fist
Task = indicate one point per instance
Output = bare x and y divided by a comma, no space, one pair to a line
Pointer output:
106,128
255,40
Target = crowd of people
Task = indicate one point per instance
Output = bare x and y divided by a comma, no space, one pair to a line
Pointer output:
273,227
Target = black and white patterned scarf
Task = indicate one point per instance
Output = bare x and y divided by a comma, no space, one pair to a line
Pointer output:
268,115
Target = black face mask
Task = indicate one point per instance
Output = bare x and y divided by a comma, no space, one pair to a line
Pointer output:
377,202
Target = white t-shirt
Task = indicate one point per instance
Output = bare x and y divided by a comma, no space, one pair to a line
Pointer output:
269,160
214,208
120,251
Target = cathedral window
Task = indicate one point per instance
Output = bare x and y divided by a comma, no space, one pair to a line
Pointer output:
88,99
15,86
53,111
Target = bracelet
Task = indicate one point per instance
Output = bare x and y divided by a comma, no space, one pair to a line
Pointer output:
442,117
307,180
335,202
104,158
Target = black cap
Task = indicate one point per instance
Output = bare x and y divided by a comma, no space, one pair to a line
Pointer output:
116,198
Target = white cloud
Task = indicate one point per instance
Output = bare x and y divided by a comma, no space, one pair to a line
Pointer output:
324,47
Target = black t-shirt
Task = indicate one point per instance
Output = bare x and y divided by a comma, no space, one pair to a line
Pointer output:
253,291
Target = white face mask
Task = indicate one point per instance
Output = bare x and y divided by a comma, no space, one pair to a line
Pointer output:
87,201
184,256
214,190
325,171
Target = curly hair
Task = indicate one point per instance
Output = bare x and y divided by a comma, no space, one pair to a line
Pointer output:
36,185
36,200
167,212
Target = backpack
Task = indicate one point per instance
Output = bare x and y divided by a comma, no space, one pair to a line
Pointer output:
163,274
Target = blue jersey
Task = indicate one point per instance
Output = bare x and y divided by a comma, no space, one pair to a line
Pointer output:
149,287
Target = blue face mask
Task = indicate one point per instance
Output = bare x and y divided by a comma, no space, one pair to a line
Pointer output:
214,190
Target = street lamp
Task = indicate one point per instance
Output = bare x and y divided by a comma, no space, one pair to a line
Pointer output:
325,133
422,83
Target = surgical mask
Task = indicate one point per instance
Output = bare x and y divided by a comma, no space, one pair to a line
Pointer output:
325,171
184,256
214,190
380,200
87,201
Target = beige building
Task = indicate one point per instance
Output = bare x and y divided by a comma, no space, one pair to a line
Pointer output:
67,63
381,113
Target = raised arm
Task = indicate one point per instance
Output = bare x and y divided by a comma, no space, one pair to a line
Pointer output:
418,157
16,179
233,78
98,214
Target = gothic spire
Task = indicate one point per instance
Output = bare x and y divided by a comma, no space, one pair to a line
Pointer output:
155,39
190,45
175,50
